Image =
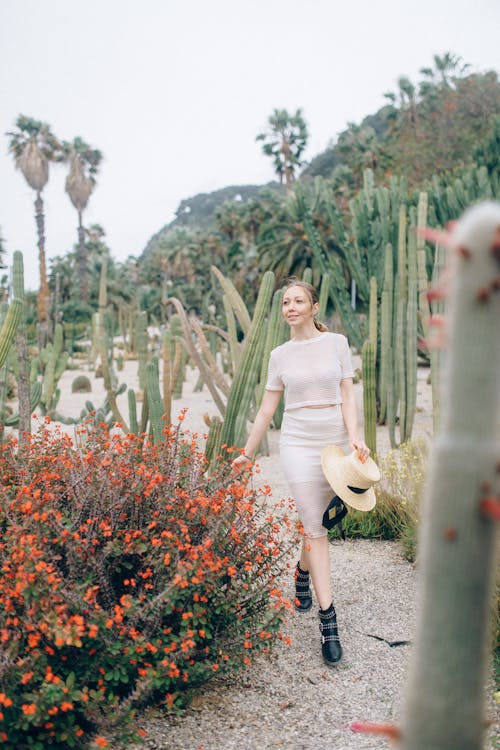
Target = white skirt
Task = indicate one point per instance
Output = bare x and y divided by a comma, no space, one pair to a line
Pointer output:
304,434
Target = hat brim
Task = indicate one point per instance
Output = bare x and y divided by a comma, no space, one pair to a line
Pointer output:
331,463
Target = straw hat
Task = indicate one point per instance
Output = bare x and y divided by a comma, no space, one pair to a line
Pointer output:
350,479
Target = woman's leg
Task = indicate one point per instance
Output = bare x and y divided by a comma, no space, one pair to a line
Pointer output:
311,500
316,552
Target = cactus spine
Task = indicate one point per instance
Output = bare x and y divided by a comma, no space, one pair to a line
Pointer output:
444,708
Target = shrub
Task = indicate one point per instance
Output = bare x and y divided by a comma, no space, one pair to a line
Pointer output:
128,577
81,384
399,491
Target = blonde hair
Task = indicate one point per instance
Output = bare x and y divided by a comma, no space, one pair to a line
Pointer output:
311,293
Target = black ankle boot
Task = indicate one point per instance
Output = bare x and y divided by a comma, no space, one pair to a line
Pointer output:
330,643
303,596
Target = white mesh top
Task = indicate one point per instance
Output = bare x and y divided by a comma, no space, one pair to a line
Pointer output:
310,371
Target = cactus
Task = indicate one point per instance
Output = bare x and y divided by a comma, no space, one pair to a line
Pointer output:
54,359
132,409
235,300
324,292
34,399
188,343
386,333
81,384
372,316
180,357
213,443
141,343
9,325
234,346
307,275
167,343
369,399
245,379
155,400
106,372
444,707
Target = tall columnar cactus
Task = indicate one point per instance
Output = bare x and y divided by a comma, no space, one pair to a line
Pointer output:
373,317
245,379
167,346
155,400
234,298
234,346
54,360
213,443
14,312
307,275
141,344
369,402
437,309
398,339
132,411
425,306
386,370
271,341
324,293
445,702
111,394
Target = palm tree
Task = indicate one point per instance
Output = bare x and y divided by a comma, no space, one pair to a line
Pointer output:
285,141
83,166
447,69
34,146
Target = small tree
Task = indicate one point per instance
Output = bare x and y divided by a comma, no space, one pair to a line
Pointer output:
285,142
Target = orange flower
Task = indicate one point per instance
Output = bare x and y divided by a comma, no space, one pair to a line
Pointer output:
26,677
101,742
28,709
4,701
66,706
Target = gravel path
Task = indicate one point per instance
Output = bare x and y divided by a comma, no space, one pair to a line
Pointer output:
291,699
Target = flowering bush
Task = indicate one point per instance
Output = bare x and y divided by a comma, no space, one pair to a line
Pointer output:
128,577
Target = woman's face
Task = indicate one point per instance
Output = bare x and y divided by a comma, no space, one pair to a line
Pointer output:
297,307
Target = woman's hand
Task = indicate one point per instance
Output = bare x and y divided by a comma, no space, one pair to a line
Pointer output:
239,463
362,449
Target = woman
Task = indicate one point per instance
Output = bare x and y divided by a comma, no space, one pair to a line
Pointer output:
314,370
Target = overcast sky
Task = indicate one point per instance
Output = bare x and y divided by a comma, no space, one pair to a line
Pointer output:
173,92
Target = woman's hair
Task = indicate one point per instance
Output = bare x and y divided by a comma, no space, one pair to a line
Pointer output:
311,293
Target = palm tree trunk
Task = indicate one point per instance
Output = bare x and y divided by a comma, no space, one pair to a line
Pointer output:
43,293
82,261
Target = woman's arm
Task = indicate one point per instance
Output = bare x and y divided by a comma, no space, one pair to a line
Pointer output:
262,420
349,413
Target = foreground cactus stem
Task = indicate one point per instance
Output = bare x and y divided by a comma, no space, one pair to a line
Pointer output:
14,313
445,702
